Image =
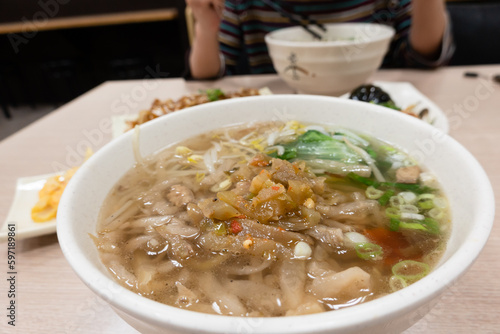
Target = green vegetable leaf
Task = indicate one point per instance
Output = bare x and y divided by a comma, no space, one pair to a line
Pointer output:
431,225
394,224
214,94
313,136
316,145
389,104
414,187
290,153
385,197
363,180
371,152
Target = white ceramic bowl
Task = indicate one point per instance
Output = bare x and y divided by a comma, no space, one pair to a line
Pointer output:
332,67
464,181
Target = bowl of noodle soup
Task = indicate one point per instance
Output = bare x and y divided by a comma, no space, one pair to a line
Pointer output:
252,206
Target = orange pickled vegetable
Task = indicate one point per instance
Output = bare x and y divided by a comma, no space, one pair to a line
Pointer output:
49,196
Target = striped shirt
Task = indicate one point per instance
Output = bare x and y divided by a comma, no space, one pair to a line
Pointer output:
245,23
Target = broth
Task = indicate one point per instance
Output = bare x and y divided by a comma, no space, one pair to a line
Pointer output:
271,220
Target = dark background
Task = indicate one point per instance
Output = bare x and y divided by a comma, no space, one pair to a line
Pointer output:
57,65
14,10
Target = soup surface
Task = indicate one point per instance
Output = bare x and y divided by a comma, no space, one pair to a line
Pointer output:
273,219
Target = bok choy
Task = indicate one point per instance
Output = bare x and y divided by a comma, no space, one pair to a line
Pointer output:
316,145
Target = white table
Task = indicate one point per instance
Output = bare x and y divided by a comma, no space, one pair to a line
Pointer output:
51,299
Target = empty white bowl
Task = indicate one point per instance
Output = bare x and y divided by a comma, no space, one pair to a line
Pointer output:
463,180
351,53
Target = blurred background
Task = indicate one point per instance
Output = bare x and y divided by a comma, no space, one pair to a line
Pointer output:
52,51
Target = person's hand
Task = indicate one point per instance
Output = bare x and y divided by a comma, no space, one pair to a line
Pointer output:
207,13
428,24
204,59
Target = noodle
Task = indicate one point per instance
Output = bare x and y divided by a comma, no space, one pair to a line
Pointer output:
216,225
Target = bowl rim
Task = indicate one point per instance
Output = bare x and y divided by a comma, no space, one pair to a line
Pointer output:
388,33
399,302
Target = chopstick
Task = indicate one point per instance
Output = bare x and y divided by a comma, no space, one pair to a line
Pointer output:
314,22
291,17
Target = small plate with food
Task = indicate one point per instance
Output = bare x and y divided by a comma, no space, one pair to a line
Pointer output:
404,97
159,108
36,201
21,218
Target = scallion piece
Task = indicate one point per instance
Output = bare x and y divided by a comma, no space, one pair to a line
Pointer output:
411,215
431,225
408,208
392,212
425,204
427,225
412,226
395,201
426,196
426,201
410,271
385,197
369,251
436,213
394,224
407,197
397,283
440,202
373,193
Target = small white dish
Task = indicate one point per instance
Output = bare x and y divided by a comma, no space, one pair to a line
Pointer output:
25,198
404,94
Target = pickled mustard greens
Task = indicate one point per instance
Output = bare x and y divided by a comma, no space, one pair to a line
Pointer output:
376,95
373,94
272,220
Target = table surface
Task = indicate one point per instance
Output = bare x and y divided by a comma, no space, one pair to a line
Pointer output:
52,299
